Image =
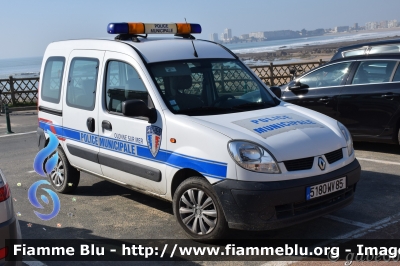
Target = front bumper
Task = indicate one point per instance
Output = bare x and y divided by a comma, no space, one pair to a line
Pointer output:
277,204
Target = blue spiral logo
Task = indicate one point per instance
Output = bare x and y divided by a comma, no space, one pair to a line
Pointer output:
44,167
34,201
44,153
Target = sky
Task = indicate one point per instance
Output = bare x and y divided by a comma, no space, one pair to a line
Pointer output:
29,26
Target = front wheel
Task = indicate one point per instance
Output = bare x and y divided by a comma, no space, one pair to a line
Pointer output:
198,211
64,178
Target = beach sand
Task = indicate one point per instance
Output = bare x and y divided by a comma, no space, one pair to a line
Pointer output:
308,53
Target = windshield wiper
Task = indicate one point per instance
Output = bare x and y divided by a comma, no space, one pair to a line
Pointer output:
209,109
255,104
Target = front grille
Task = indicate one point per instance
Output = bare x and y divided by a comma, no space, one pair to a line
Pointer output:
299,164
299,208
334,156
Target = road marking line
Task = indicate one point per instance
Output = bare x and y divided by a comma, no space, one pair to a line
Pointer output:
30,172
346,221
281,263
345,237
372,227
377,161
363,231
34,263
17,134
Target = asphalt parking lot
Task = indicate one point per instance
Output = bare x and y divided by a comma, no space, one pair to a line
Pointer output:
99,209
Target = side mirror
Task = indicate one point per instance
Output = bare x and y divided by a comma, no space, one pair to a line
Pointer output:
139,108
277,91
297,86
292,72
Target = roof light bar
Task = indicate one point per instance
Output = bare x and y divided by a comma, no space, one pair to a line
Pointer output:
153,28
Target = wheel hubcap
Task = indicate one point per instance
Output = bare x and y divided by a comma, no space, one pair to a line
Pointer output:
197,211
57,175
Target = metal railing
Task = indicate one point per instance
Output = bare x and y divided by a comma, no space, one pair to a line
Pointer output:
276,75
18,91
23,91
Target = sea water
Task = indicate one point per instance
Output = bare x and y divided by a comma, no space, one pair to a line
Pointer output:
30,67
20,67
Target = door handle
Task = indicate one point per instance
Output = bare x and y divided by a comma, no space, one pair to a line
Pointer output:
90,123
389,95
106,125
325,99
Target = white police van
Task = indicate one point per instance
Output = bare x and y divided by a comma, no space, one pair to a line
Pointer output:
186,120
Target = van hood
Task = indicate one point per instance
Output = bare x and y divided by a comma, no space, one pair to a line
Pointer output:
287,131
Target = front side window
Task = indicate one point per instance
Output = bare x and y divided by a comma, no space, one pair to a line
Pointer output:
209,86
123,83
82,81
374,72
397,74
52,79
332,75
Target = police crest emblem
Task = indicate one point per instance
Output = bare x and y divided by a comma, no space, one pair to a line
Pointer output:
153,137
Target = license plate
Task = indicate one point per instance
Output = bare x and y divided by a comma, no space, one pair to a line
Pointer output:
325,188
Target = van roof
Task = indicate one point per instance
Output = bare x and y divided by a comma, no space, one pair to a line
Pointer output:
151,49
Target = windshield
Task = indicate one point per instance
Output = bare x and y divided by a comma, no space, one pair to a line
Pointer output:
209,86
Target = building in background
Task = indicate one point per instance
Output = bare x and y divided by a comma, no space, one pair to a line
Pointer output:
257,35
224,37
341,28
228,33
383,24
214,37
274,35
371,26
227,37
393,23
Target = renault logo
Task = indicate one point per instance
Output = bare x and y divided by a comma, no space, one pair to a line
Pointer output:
321,163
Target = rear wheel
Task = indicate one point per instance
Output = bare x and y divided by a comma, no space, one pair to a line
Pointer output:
198,211
64,178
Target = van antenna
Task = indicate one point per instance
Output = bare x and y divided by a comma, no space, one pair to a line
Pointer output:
194,48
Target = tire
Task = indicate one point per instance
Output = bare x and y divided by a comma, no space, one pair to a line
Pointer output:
202,221
64,178
398,136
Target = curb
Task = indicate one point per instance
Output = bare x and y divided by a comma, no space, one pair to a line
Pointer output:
25,108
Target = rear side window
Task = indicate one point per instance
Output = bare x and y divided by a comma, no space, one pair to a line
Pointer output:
52,79
385,49
359,51
374,72
82,80
123,83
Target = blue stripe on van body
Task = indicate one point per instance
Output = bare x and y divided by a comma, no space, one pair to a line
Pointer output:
206,167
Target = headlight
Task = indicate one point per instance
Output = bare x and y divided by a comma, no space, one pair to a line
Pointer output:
347,136
253,157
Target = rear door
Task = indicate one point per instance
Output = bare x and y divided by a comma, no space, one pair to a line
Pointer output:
319,89
80,111
370,99
50,104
